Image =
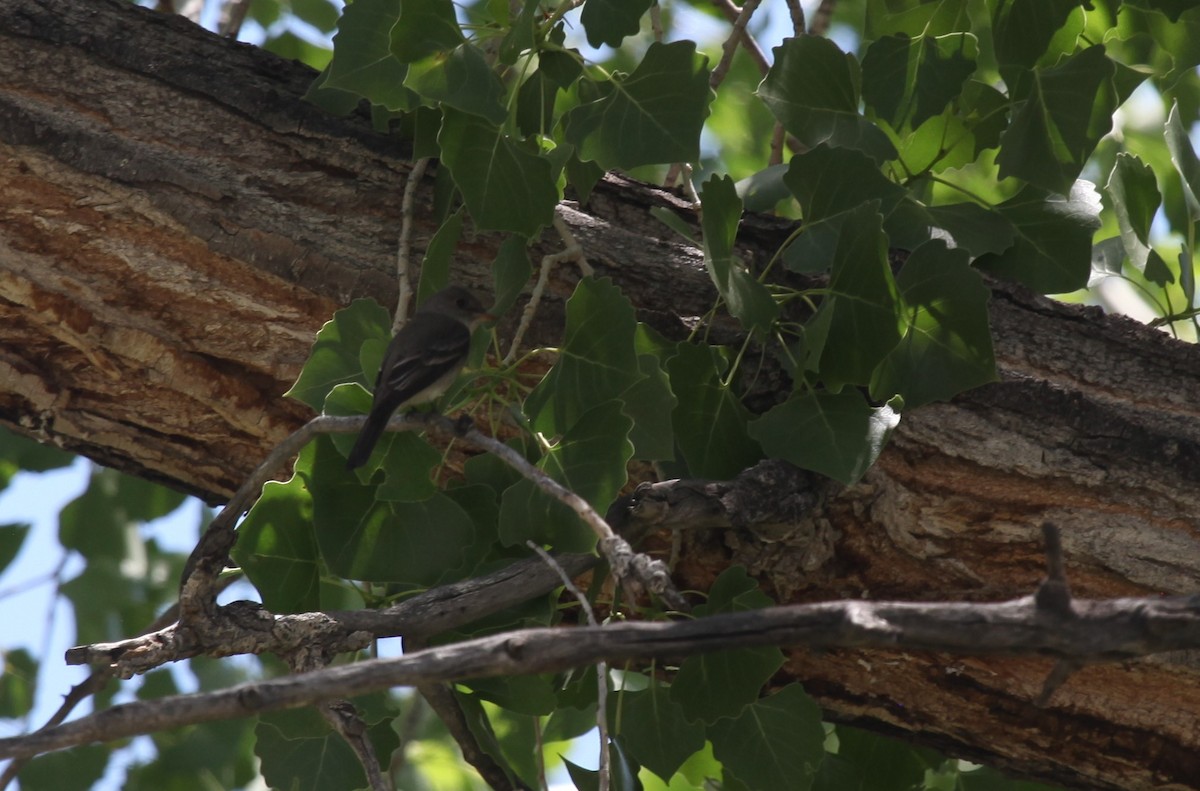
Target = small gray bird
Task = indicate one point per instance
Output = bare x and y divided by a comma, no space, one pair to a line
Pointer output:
422,361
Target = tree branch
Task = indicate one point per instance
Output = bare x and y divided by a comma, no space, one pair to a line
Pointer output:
1103,630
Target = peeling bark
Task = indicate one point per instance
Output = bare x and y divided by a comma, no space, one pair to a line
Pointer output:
175,224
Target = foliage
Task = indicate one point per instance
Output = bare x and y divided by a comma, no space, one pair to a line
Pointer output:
960,138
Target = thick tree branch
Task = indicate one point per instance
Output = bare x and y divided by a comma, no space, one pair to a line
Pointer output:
1091,631
159,293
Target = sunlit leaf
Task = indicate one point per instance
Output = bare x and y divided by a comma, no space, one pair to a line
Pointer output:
1053,248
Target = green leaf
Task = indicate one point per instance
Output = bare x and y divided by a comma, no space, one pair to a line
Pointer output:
596,363
733,591
915,17
652,116
1052,252
1135,199
653,730
363,63
865,303
972,228
505,186
334,358
1022,31
530,694
649,403
1183,156
1056,125
18,682
888,72
813,89
417,544
869,762
835,434
709,420
300,752
828,181
590,460
722,683
79,767
521,37
947,347
622,772
511,271
610,21
535,104
12,536
435,266
276,547
101,522
762,190
748,300
909,80
423,28
945,64
18,452
460,78
777,742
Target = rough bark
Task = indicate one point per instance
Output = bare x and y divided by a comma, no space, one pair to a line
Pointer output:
176,223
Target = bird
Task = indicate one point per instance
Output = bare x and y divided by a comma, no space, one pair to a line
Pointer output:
422,361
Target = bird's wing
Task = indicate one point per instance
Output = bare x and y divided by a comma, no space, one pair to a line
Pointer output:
407,371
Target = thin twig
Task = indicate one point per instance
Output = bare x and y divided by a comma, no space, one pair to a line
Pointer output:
732,13
442,700
573,251
822,18
601,667
232,17
797,12
404,246
777,138
736,33
635,571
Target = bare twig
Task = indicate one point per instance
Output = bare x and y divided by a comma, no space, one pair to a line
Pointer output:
732,13
233,14
404,246
635,571
344,718
736,33
442,700
1101,630
822,18
603,772
573,251
797,12
777,139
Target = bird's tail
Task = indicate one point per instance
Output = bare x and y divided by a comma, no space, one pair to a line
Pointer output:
367,439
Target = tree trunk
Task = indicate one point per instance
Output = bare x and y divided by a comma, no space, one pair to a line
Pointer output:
176,223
